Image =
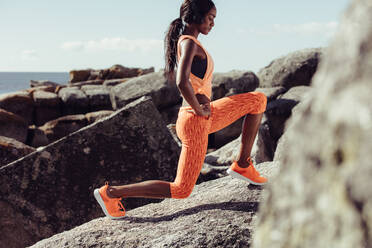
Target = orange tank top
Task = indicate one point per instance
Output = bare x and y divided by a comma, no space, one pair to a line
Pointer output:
204,85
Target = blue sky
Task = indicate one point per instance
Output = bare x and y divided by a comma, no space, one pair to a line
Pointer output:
57,36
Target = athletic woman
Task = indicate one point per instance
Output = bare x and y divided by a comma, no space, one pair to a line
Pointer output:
198,115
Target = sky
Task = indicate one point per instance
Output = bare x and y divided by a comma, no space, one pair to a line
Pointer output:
59,36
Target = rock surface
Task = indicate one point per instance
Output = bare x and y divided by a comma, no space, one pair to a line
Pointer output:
296,94
163,93
36,137
47,106
19,103
74,101
51,189
63,126
218,213
272,93
38,83
294,69
322,196
279,111
13,126
115,71
11,149
99,97
232,83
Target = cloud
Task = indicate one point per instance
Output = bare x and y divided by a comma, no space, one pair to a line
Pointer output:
114,44
311,28
29,55
73,45
326,29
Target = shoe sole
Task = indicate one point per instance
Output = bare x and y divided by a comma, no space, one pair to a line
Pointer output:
238,176
99,199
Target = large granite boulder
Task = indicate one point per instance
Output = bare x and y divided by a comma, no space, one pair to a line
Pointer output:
74,101
264,145
164,94
295,94
47,106
282,143
114,72
279,111
119,71
11,149
98,74
232,83
79,75
170,114
51,190
47,88
219,213
13,126
99,97
273,92
322,196
19,103
38,83
63,126
294,69
36,137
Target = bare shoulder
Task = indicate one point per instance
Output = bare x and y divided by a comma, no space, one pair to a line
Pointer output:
188,47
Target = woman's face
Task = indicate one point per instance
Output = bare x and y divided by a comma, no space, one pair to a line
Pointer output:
208,23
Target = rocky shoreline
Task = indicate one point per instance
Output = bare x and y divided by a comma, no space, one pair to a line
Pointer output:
49,111
73,150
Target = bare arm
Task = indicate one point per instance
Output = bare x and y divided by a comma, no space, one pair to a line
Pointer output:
188,51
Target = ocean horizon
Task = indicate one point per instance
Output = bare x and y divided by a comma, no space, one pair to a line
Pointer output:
16,81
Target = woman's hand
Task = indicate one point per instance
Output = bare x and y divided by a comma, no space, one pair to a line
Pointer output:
204,110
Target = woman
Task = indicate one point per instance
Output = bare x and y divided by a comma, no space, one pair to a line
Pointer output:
197,117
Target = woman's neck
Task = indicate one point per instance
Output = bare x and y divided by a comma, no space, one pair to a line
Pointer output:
190,30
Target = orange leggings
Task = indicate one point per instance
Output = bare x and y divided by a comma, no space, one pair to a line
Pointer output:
193,131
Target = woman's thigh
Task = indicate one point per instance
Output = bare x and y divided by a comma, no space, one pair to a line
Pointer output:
228,109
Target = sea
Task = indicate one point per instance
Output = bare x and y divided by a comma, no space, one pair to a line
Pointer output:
15,81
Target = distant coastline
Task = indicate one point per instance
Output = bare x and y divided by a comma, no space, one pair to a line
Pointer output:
15,81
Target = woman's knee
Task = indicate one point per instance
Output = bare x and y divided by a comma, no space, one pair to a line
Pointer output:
180,191
261,101
261,97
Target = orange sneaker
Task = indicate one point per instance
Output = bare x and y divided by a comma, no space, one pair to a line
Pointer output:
248,174
112,207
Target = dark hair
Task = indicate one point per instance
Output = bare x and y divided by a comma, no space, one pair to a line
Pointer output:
191,11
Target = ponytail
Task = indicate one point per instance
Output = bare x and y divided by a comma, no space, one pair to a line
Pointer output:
170,47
